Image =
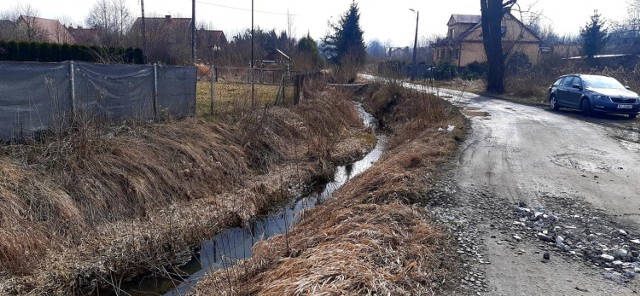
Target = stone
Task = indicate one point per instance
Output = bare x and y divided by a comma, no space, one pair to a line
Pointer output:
607,257
546,256
621,253
544,237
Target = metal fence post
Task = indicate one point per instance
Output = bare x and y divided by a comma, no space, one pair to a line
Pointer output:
155,92
213,69
73,91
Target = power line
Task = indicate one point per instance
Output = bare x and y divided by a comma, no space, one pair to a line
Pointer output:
244,9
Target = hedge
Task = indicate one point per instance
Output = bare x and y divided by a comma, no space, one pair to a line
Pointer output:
51,52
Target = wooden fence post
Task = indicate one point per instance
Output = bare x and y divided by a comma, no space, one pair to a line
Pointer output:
155,92
212,89
297,91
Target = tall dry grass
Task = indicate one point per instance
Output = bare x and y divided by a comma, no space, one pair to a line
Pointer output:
97,204
373,237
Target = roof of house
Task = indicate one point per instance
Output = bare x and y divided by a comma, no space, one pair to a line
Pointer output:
464,19
211,37
166,22
469,19
4,23
52,30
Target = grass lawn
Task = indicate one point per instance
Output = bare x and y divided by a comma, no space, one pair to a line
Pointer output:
233,96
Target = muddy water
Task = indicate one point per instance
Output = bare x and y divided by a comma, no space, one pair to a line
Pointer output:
232,245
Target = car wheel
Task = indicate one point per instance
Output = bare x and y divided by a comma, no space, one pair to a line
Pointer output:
633,116
586,107
553,103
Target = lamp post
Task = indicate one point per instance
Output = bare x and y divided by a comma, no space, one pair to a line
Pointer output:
414,67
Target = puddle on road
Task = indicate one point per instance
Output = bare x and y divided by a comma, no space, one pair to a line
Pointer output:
581,163
235,244
475,113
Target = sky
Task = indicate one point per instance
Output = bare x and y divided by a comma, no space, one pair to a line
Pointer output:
391,22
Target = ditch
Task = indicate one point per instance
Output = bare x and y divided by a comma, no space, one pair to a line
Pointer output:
234,245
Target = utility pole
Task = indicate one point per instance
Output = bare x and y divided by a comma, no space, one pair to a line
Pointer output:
193,32
253,85
414,66
144,29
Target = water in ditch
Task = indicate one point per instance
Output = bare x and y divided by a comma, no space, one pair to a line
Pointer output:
234,244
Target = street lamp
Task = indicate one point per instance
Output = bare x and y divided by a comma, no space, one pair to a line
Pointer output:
414,68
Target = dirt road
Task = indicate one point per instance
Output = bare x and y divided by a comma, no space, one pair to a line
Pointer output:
529,181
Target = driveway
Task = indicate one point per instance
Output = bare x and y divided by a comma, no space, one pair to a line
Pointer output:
529,181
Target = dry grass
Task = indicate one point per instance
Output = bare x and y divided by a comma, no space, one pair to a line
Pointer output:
230,97
372,237
83,211
531,86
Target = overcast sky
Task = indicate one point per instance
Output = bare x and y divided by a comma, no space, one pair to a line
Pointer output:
384,20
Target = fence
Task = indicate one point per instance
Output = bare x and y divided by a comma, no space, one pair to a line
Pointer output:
36,97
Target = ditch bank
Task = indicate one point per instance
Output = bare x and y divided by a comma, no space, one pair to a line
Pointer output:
98,207
234,245
374,236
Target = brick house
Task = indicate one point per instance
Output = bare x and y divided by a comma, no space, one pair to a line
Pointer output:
463,44
43,30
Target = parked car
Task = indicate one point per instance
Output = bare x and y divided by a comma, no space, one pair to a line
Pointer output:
593,93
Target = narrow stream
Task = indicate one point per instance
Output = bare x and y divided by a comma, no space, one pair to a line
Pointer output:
234,244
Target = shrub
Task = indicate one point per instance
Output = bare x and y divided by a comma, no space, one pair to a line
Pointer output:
475,70
445,70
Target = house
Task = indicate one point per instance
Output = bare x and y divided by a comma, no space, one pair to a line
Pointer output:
212,39
463,44
168,39
85,36
399,53
43,30
7,30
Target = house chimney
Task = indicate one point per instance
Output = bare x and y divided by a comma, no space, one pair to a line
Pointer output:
167,18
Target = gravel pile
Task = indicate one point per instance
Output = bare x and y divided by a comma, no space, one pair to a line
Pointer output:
568,227
576,229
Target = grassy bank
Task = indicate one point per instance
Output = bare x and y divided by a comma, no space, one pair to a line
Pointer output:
374,236
100,205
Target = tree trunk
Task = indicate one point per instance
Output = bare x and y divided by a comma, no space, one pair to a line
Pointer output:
492,12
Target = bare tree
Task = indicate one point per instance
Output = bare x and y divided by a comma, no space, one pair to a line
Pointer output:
61,34
113,18
26,22
123,17
492,13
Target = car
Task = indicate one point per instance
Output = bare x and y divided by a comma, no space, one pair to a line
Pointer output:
593,94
